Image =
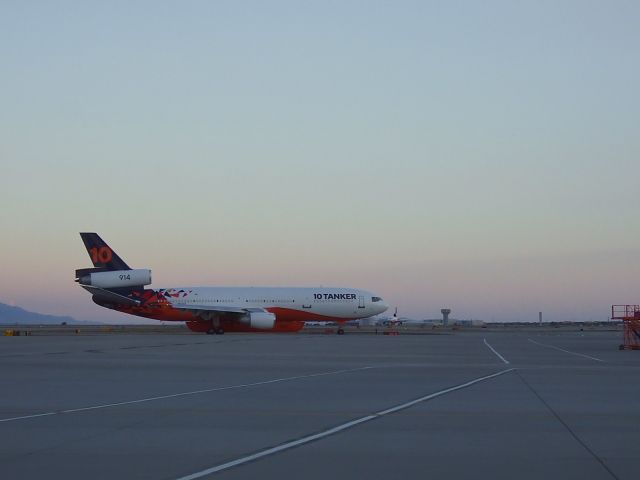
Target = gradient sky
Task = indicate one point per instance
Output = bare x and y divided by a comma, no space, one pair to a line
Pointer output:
482,156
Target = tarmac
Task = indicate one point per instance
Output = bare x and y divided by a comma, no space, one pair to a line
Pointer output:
482,404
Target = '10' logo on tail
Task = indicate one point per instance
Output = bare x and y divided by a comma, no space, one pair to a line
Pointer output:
101,255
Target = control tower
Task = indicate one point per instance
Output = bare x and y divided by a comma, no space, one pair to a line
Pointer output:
445,316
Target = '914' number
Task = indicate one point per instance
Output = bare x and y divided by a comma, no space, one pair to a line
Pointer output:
125,277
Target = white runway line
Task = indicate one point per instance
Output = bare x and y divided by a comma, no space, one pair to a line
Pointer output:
566,351
183,394
334,430
496,352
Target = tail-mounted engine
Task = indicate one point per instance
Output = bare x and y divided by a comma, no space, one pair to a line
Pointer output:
114,278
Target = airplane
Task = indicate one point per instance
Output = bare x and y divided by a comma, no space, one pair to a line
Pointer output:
394,320
391,321
215,310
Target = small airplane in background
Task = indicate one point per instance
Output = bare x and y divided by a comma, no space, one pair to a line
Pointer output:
394,320
113,284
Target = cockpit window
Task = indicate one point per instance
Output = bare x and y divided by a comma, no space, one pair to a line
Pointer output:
376,299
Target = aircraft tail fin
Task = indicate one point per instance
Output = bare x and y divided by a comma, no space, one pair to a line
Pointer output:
102,256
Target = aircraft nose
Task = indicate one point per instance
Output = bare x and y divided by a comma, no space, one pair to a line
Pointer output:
383,307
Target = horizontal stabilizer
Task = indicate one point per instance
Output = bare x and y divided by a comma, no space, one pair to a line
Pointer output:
110,297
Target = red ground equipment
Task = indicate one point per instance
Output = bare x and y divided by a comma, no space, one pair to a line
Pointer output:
630,316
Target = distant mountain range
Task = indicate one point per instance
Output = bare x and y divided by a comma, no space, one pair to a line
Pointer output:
15,315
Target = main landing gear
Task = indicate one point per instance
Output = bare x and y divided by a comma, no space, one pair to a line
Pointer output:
340,331
217,331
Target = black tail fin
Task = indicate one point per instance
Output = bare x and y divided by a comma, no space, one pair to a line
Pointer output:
101,254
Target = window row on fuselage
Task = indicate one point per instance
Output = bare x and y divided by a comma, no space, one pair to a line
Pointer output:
259,300
237,300
334,300
228,301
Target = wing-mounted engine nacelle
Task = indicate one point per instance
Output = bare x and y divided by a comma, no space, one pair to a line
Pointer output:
260,319
117,278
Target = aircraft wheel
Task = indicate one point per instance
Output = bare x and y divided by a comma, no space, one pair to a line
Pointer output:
219,331
340,331
211,331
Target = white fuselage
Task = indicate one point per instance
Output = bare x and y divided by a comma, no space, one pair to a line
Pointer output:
305,303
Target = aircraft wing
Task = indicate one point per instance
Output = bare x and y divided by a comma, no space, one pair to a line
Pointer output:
209,308
110,296
254,317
